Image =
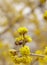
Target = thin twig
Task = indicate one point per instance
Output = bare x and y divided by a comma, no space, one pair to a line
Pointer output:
37,55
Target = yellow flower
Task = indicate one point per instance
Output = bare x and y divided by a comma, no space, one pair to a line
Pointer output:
45,58
19,40
22,30
45,50
17,60
25,50
45,15
42,1
28,39
38,52
40,59
26,59
13,52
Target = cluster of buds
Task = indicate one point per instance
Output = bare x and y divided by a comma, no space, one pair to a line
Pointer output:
22,39
45,15
23,55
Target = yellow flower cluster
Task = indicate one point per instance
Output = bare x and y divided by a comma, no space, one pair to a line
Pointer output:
45,51
38,52
17,60
28,38
39,58
25,50
19,40
12,52
45,58
22,30
42,60
42,1
22,39
26,59
24,56
45,15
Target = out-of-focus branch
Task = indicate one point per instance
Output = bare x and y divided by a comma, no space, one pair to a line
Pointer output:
33,54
